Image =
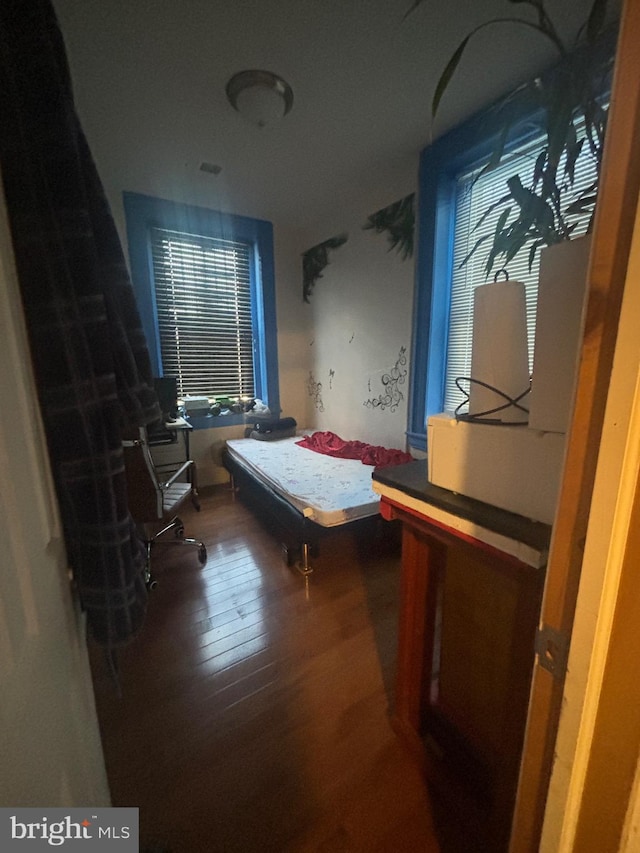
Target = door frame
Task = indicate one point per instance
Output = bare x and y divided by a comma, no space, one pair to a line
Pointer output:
607,276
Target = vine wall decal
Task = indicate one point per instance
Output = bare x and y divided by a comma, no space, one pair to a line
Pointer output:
391,396
315,390
314,260
398,220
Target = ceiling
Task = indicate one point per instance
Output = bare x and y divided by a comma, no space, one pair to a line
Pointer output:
149,79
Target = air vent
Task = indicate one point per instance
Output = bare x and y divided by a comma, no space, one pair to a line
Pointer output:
212,168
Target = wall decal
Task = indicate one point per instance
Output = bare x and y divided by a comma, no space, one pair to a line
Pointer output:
314,260
398,219
352,337
332,373
315,390
392,395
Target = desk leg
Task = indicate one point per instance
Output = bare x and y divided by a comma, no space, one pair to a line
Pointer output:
193,476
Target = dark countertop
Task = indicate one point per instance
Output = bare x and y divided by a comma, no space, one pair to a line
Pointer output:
411,479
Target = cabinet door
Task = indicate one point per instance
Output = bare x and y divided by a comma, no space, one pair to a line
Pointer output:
471,613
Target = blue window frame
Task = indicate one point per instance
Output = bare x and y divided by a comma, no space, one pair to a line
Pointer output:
144,213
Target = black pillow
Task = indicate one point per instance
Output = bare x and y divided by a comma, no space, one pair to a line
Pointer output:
281,425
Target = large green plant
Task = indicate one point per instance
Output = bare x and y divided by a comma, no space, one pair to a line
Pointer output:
543,210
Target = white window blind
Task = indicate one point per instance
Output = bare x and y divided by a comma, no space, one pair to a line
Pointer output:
473,197
203,297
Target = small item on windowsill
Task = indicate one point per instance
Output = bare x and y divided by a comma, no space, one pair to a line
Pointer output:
234,405
196,405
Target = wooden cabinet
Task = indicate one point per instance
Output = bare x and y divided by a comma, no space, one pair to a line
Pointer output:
471,588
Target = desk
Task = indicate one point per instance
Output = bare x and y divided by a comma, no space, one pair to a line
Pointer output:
471,588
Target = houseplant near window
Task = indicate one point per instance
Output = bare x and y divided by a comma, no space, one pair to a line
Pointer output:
544,210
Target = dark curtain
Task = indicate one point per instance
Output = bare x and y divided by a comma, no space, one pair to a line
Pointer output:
88,349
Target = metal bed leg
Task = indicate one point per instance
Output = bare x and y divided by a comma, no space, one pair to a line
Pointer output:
232,486
304,565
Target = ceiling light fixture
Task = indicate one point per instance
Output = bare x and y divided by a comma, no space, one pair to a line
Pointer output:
260,96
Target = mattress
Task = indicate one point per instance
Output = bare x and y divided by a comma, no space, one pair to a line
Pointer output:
327,490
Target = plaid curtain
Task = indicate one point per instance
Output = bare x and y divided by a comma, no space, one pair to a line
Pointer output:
89,352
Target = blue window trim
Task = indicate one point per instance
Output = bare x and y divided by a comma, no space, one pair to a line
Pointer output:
144,212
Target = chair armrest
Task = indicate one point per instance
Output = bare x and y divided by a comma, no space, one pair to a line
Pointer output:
184,467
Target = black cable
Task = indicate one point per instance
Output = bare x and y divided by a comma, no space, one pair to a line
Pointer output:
481,417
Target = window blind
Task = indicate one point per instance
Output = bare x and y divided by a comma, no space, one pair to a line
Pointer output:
473,196
203,298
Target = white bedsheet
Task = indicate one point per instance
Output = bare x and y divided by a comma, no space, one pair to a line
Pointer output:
328,490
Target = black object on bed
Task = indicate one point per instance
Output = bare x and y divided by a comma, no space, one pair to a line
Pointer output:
273,430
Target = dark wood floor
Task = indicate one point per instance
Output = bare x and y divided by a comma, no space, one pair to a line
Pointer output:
254,707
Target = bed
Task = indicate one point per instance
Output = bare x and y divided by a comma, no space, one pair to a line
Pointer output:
301,494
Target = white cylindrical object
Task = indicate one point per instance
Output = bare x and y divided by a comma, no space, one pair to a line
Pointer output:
499,355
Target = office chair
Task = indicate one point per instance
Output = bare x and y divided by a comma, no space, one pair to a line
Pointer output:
155,498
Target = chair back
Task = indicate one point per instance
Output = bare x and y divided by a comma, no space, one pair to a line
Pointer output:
144,493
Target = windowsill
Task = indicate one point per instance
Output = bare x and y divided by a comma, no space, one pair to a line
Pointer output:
417,440
211,421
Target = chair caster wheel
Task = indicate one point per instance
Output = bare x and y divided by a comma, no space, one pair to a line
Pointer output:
151,583
179,533
202,555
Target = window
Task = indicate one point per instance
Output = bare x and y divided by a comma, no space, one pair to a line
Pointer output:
203,299
204,284
446,168
473,196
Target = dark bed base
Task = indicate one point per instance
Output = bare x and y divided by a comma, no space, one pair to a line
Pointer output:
300,536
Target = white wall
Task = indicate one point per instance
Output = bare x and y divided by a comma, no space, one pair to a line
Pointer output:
294,328
360,328
50,752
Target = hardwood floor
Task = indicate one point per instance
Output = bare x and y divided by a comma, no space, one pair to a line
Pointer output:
253,713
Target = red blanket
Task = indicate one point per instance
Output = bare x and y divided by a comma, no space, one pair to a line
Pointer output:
332,445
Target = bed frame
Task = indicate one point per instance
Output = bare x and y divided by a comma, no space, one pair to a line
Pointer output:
300,536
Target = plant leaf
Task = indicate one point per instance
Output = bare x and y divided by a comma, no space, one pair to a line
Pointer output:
532,252
476,245
495,157
490,210
582,204
538,169
560,123
501,221
412,9
573,152
538,5
447,74
596,20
